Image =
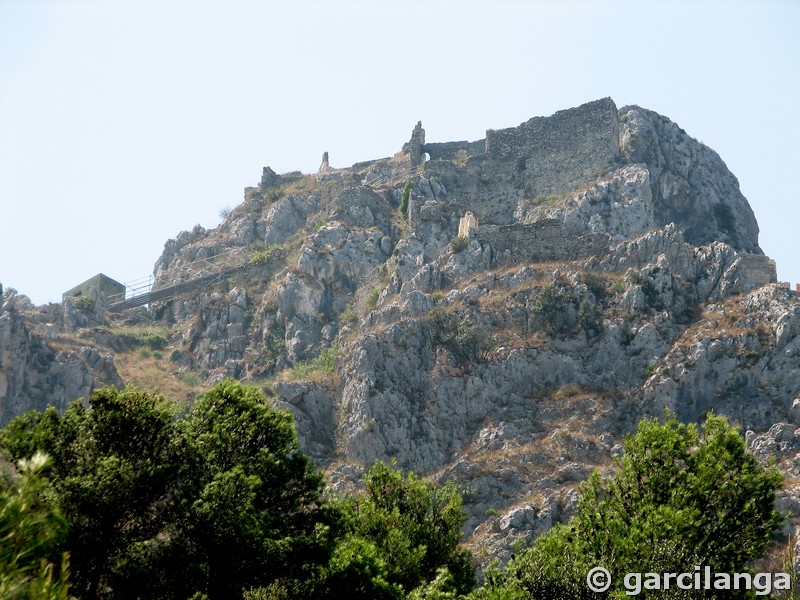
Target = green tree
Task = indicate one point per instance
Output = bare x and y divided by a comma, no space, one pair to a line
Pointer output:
116,464
358,570
550,309
404,198
400,536
683,495
554,567
683,492
467,341
161,505
414,526
257,513
31,534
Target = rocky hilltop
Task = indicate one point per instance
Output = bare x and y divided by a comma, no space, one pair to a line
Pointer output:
500,312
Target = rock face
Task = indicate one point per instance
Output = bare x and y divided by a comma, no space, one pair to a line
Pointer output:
611,269
689,182
32,374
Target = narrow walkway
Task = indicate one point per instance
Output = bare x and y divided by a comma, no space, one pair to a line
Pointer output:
184,287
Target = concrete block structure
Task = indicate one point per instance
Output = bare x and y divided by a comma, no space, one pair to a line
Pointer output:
104,284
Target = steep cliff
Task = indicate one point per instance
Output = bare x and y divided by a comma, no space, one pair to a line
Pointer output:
35,372
614,271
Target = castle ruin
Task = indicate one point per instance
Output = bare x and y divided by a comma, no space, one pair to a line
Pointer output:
467,223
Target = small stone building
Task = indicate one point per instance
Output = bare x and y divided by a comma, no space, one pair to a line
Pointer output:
104,284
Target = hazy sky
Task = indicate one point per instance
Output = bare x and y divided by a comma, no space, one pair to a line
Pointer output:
123,123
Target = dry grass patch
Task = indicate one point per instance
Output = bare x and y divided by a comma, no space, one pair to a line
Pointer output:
727,320
67,343
304,185
157,374
513,338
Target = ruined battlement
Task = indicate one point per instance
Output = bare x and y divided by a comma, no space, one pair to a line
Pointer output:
467,223
454,151
755,270
592,128
540,241
541,157
563,151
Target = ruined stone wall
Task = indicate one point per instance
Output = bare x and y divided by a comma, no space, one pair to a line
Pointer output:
414,147
467,223
454,150
755,270
542,240
558,153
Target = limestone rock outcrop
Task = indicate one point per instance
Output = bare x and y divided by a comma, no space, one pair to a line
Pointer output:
32,374
611,270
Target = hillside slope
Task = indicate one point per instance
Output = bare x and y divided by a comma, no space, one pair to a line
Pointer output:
610,269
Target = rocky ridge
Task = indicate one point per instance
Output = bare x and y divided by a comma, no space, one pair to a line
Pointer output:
614,272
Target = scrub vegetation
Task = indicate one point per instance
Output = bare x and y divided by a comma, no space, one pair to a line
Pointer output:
133,496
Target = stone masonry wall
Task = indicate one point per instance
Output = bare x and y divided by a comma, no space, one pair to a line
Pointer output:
454,150
542,240
467,223
756,270
560,152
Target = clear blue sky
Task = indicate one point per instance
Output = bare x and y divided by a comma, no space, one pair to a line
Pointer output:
123,123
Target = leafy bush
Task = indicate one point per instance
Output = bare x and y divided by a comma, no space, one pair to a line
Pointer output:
459,243
274,194
590,315
273,348
549,309
150,339
562,309
465,340
322,365
349,316
84,304
159,506
651,295
263,257
404,199
326,359
683,495
372,299
190,379
596,285
535,574
626,335
411,529
32,531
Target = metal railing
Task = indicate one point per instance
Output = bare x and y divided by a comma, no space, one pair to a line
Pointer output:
212,271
